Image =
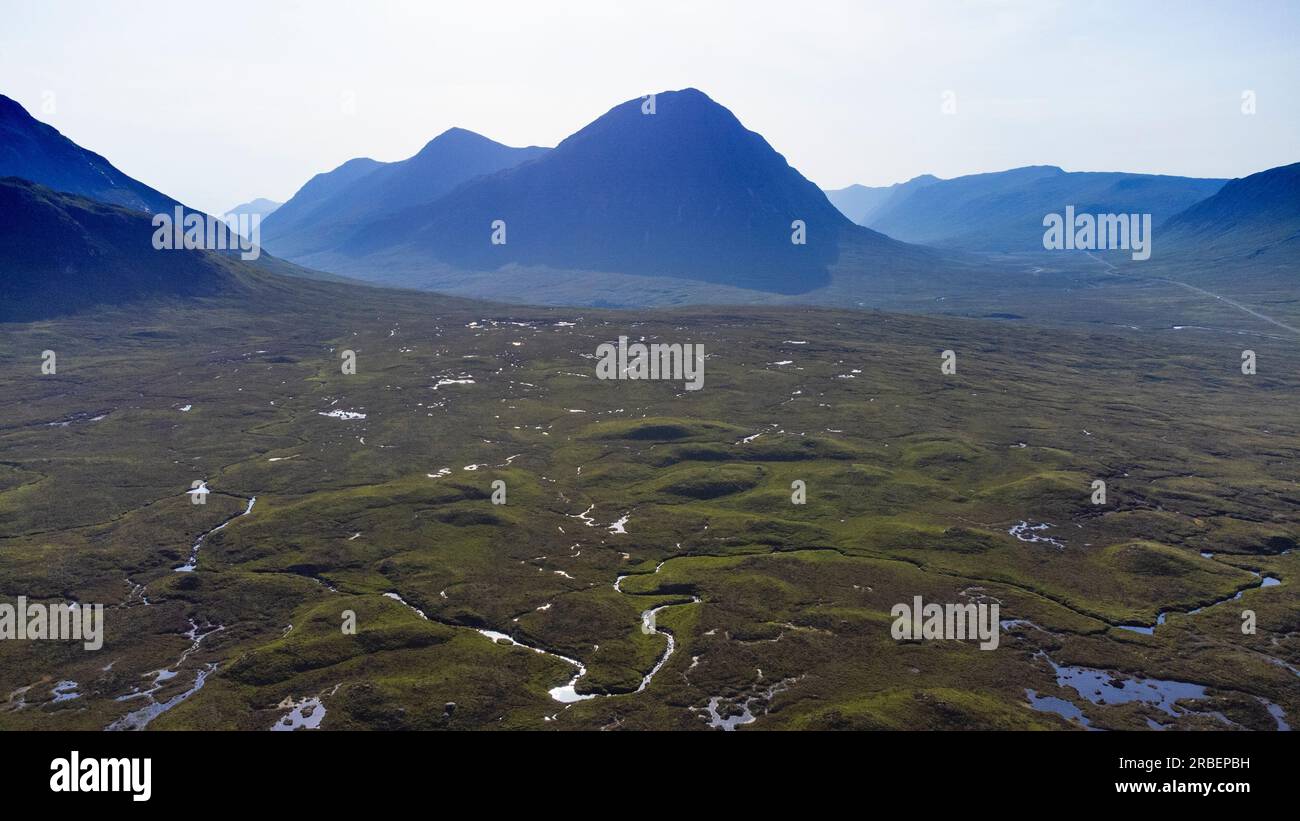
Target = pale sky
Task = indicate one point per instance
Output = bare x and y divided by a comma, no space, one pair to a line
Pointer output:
218,103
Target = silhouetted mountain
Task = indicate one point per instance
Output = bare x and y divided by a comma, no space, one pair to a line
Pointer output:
362,191
861,203
1254,216
35,151
1003,211
685,191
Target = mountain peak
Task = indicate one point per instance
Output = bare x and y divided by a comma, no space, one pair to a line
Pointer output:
454,136
680,189
672,105
261,206
456,130
689,94
338,202
11,109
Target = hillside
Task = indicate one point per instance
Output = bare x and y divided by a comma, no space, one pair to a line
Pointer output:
35,151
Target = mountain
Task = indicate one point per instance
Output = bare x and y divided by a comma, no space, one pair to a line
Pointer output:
261,206
861,203
258,209
364,190
1251,217
1003,211
35,151
685,192
61,253
295,216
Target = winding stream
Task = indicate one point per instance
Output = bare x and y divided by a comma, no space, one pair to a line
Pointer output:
1103,687
1150,629
568,693
193,563
139,719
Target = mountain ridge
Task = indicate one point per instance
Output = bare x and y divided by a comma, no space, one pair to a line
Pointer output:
1002,210
686,192
36,151
861,202
362,189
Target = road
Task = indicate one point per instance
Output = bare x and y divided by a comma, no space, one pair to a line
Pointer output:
1219,297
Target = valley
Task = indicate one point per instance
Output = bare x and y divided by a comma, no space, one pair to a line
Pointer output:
648,569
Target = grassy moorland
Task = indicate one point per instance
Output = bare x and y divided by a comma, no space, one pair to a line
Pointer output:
914,480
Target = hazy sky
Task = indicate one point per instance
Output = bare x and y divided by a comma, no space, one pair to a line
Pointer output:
218,103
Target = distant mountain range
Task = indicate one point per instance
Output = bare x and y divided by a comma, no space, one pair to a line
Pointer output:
34,151
681,205
1003,211
862,203
686,192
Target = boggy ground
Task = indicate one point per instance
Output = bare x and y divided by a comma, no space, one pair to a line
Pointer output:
779,612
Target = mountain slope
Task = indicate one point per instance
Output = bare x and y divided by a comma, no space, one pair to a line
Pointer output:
1003,211
35,151
861,203
686,192
365,190
295,216
1249,217
62,253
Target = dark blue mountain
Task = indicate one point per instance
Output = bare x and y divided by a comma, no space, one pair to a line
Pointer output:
61,253
685,191
34,151
364,190
1252,217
